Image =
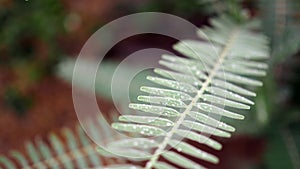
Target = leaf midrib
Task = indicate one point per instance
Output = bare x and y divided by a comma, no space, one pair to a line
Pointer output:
189,107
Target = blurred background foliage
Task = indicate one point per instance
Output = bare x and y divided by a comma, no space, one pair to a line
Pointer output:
39,41
28,45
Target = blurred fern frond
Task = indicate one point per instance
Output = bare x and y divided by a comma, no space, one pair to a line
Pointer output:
193,95
281,23
73,150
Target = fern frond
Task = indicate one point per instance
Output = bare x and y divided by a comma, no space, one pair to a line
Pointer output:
215,80
74,150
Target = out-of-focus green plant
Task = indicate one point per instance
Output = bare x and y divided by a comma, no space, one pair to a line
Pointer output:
195,7
18,102
28,44
281,23
24,22
279,117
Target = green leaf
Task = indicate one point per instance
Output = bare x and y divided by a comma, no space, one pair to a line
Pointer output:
162,165
216,110
160,110
131,154
46,153
58,147
122,167
203,51
206,81
204,128
228,95
181,86
210,121
156,121
73,146
144,143
242,70
20,157
179,77
238,79
186,148
247,63
138,128
232,87
189,68
165,101
199,138
7,163
180,160
224,102
166,93
34,155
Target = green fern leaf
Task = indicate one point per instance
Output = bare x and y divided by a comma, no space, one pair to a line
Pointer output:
214,81
122,167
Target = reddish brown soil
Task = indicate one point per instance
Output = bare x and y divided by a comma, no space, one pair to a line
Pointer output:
52,109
